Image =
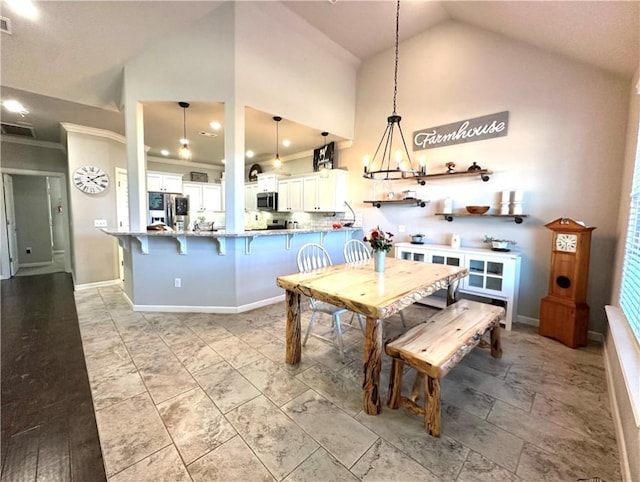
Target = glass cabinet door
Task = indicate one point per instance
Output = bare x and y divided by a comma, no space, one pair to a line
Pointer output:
445,258
412,256
485,275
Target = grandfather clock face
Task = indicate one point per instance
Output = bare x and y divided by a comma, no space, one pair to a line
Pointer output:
566,242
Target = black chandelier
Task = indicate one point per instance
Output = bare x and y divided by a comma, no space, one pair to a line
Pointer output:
384,167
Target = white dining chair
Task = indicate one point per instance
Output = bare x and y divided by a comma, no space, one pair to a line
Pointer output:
313,256
355,250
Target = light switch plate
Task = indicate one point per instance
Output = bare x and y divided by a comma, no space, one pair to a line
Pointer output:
99,223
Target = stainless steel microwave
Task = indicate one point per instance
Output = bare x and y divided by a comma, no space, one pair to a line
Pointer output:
268,201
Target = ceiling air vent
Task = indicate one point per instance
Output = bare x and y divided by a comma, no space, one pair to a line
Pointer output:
5,25
18,130
207,134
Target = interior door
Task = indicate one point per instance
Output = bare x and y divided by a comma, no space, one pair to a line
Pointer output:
122,211
12,235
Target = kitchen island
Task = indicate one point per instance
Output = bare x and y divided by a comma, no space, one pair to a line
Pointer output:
215,271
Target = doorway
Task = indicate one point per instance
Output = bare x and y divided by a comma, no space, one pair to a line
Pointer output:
37,223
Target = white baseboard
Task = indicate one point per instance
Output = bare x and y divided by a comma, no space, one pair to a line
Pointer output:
99,284
35,265
206,309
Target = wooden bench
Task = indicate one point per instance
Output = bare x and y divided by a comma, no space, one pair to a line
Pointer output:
433,348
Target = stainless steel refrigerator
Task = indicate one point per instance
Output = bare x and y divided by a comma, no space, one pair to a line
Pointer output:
171,209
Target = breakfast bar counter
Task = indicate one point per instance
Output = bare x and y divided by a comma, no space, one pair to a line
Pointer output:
216,271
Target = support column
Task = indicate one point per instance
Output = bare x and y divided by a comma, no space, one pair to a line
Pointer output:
136,166
234,166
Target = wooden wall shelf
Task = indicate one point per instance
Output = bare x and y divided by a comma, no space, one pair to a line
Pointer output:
517,218
483,173
417,202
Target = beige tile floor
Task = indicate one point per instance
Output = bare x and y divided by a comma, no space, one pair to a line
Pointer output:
208,397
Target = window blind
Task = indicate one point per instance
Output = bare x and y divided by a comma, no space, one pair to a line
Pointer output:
630,286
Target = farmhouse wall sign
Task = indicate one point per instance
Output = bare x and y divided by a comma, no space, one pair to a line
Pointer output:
470,130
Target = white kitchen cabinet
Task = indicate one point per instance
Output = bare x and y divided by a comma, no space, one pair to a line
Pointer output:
164,181
250,196
493,275
203,196
326,192
267,182
290,195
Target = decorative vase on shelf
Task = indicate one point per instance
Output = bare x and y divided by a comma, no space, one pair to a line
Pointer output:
378,261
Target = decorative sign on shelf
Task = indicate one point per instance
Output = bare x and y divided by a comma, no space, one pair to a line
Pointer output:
323,157
470,130
199,176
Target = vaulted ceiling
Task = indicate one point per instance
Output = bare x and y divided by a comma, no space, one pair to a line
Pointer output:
67,65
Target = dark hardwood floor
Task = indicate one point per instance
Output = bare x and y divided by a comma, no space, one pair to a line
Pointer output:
48,424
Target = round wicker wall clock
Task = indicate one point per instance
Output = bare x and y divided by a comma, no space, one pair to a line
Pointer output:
254,171
90,179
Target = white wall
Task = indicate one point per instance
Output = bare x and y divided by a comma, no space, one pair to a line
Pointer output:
286,67
565,147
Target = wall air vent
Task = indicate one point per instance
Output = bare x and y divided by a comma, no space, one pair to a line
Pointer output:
18,130
5,25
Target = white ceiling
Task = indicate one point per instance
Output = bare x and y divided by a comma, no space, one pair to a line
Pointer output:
67,66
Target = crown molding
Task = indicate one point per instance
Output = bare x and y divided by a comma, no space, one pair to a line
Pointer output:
32,142
176,162
94,131
308,153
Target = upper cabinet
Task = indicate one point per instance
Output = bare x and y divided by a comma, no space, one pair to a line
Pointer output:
203,196
290,195
164,181
250,196
267,182
325,192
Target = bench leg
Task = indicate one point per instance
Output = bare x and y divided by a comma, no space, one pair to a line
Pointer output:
395,384
496,344
417,388
432,406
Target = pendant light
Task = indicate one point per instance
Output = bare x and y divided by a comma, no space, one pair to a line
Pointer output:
277,163
384,167
185,150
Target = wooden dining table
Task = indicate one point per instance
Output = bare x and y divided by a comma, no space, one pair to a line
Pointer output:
360,289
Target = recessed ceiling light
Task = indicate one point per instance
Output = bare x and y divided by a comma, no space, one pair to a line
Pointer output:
250,154
223,161
15,107
286,142
24,8
215,125
164,152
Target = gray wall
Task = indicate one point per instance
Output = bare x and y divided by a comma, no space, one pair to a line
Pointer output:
32,157
31,201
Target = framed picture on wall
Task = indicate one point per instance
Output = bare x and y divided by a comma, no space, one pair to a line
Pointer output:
323,157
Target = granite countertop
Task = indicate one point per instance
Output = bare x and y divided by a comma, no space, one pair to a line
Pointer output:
224,234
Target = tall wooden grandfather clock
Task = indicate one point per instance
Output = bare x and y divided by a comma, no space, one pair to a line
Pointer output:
564,313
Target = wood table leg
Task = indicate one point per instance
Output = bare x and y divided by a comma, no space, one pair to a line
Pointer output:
372,363
496,345
452,292
294,348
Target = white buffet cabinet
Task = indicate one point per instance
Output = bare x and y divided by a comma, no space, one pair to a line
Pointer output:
492,274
